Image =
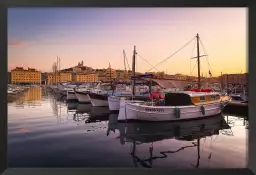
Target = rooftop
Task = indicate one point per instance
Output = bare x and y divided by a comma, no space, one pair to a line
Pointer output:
22,69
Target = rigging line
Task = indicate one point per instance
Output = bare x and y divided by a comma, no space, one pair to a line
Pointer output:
124,60
202,46
127,61
192,56
173,54
148,62
205,53
208,63
194,67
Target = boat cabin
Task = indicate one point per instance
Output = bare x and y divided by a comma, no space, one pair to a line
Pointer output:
190,98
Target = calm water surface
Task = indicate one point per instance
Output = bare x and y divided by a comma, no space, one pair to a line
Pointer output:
46,132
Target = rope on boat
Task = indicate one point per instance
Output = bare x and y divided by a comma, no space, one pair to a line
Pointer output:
177,112
191,57
148,63
125,57
173,54
202,110
209,66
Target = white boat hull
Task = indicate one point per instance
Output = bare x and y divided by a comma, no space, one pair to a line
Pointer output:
134,111
113,103
83,98
99,103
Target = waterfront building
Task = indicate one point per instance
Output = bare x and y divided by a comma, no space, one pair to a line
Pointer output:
236,79
84,77
103,78
110,73
123,75
53,78
19,75
65,76
61,77
181,77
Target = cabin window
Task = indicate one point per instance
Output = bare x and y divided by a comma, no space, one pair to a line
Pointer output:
213,97
202,98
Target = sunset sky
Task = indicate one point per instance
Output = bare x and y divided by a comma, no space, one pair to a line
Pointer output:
98,36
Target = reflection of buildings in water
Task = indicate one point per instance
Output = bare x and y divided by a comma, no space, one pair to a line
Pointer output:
30,98
140,133
32,94
44,92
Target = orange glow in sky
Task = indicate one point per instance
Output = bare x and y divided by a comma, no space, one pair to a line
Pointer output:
36,36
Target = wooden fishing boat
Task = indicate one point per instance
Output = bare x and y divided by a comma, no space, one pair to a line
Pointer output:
175,106
179,105
114,101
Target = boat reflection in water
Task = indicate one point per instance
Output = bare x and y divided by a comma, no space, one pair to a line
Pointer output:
88,112
140,132
98,114
72,106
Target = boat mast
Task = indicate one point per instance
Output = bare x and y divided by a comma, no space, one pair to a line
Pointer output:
59,64
110,72
222,87
111,83
124,60
198,62
133,70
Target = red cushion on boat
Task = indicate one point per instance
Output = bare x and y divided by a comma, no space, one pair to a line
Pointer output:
202,90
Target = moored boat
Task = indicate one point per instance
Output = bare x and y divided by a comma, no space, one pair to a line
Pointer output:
114,101
99,100
175,106
82,96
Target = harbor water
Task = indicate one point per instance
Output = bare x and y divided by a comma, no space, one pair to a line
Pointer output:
45,131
